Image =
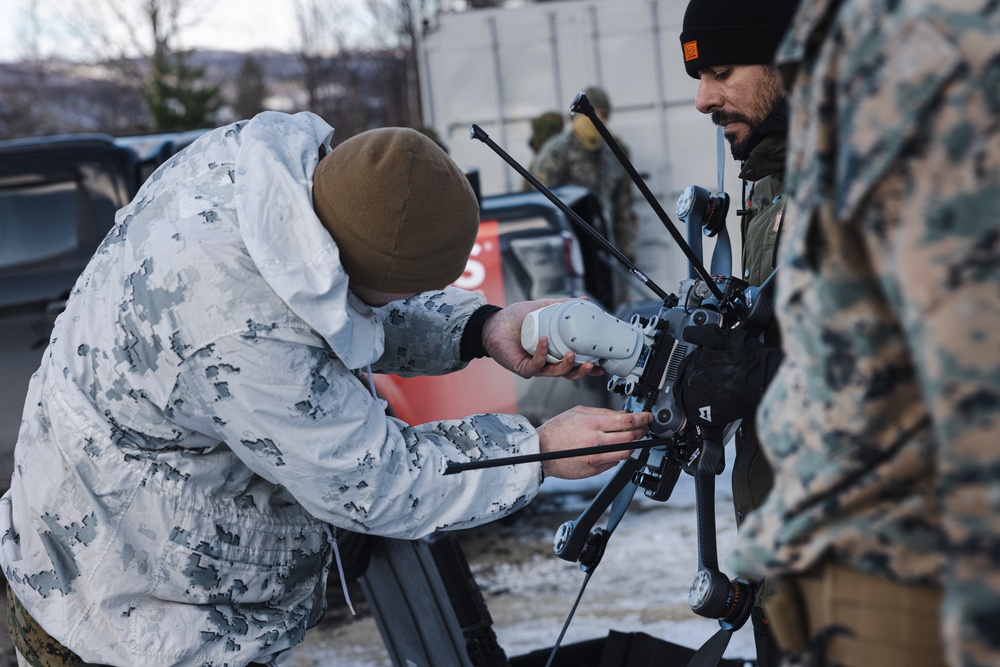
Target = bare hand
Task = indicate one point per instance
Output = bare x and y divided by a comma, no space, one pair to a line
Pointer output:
584,426
502,341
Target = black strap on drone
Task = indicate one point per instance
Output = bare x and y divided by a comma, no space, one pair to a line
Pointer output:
722,256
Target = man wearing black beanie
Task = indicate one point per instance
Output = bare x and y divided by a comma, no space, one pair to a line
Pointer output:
729,45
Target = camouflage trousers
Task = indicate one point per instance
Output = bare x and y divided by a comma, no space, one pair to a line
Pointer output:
34,646
836,616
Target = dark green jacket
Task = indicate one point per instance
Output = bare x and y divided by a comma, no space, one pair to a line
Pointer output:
764,172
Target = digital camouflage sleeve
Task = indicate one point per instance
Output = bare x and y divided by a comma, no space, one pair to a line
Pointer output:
883,424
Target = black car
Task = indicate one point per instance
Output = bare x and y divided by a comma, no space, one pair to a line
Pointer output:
58,198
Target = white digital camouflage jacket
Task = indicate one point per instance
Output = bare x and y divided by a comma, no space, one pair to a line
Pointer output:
198,416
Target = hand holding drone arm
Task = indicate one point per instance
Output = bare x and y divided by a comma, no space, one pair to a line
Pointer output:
649,358
502,341
583,427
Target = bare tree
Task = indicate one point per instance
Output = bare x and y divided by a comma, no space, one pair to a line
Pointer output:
135,40
21,110
395,23
316,43
331,35
116,29
395,26
41,95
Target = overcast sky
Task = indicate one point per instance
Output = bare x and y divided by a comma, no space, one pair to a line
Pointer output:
226,24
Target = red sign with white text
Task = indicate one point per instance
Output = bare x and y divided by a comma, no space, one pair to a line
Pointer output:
484,386
484,271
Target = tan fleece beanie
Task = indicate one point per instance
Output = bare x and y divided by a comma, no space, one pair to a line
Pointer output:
399,209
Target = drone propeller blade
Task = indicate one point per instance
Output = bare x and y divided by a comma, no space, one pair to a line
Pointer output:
710,653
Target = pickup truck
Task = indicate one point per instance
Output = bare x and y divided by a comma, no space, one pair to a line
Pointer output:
58,198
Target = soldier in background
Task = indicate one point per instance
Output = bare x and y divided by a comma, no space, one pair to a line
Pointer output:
579,156
543,127
883,422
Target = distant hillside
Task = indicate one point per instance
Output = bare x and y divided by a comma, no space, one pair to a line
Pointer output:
355,91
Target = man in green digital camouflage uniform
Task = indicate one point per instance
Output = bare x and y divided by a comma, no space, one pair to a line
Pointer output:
543,127
579,156
728,45
883,422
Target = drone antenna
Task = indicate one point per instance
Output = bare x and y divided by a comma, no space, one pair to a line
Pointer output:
477,132
581,104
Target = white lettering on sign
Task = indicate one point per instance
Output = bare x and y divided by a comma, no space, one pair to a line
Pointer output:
475,272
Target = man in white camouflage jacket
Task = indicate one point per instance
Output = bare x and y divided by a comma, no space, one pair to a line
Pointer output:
200,416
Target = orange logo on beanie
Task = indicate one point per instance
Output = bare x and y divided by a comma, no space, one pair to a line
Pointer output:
691,50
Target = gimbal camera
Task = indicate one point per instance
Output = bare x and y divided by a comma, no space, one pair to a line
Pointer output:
644,357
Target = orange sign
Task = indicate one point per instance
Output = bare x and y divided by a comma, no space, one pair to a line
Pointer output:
484,386
484,271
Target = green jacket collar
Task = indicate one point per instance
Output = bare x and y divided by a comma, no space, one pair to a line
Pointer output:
767,158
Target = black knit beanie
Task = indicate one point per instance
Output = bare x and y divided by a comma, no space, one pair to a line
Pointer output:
733,32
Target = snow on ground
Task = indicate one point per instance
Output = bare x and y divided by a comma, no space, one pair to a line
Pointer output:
641,584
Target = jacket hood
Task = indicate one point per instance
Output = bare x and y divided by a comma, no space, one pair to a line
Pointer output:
293,252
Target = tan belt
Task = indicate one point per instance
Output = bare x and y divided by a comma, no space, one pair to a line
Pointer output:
841,616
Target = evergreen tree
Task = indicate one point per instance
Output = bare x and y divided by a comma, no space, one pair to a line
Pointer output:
251,89
178,96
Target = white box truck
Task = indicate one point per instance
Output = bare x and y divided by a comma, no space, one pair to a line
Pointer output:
499,68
